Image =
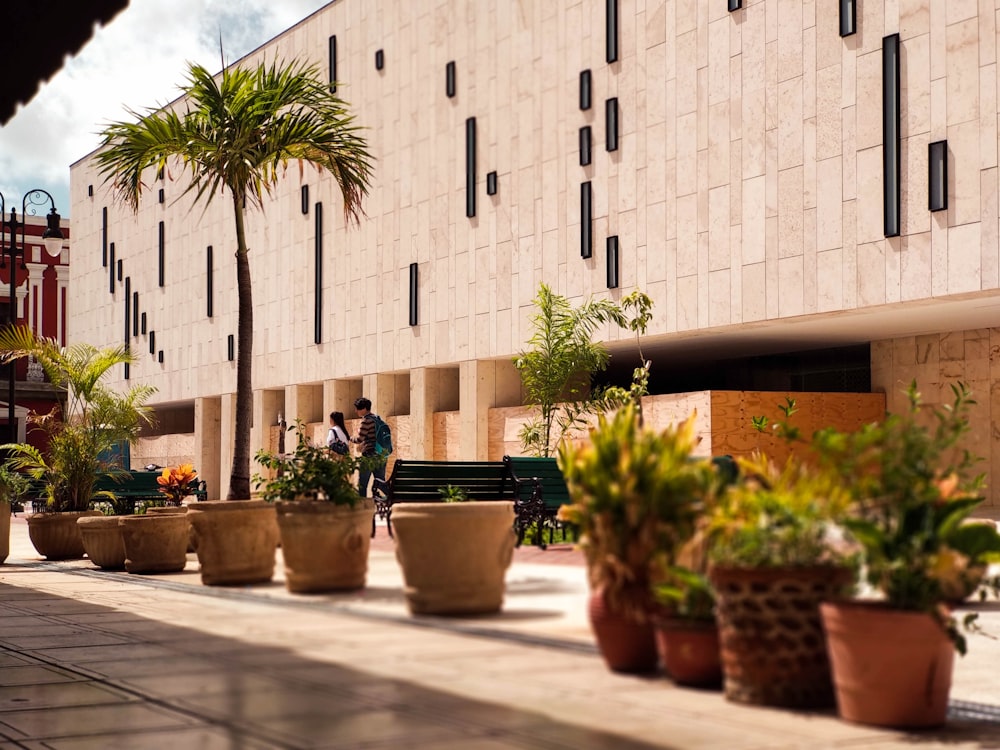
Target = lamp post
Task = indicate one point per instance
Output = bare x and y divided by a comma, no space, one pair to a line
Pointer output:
52,237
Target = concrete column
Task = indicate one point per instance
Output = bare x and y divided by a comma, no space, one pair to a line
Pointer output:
304,402
432,390
339,395
208,444
36,302
62,282
227,430
483,384
268,403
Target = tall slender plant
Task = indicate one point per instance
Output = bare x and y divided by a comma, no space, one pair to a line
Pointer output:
96,418
556,371
238,133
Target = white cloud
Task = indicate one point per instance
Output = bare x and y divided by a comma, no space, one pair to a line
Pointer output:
137,61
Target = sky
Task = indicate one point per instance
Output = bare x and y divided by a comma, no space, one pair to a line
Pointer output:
137,61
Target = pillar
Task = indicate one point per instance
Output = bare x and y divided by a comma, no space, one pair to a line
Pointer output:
208,444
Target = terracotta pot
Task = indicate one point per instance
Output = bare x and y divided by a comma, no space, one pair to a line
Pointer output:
102,540
174,510
325,546
772,643
4,531
454,555
155,543
625,645
689,651
236,541
891,668
56,536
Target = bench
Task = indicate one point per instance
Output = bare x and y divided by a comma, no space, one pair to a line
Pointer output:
541,490
131,490
419,481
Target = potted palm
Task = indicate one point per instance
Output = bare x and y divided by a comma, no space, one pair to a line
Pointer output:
95,420
913,490
774,556
635,492
324,524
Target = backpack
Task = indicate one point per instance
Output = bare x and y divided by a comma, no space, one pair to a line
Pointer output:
383,437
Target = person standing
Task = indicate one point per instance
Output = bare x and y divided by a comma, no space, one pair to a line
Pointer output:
366,439
337,438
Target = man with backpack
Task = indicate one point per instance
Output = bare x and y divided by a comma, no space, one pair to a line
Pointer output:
376,443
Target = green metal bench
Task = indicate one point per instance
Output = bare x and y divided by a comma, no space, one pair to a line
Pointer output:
419,481
138,486
541,490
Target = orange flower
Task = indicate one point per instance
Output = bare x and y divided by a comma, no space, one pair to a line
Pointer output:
174,482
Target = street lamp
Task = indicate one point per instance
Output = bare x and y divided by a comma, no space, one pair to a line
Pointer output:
52,237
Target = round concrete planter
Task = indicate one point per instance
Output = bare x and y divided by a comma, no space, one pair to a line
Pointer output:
155,543
236,541
4,530
102,541
56,535
454,555
174,510
325,546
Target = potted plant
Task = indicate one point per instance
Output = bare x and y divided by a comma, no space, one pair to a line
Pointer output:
774,555
687,636
913,489
95,420
635,493
324,524
454,554
13,486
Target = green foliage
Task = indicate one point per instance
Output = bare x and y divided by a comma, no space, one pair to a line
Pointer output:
311,472
235,134
686,594
452,494
637,495
776,517
13,485
97,418
556,371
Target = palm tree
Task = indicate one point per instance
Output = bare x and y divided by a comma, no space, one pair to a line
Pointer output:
238,132
96,418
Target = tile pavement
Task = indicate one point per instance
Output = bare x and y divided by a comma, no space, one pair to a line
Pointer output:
90,659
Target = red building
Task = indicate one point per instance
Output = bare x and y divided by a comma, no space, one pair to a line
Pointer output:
39,302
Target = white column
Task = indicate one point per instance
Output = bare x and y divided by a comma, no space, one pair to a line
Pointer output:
62,283
36,303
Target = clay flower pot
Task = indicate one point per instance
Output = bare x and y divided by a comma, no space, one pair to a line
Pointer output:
56,535
102,540
236,541
689,651
891,668
625,645
155,543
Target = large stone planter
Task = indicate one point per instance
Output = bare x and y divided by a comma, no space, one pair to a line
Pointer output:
236,541
155,543
325,546
102,541
56,536
4,530
173,510
454,555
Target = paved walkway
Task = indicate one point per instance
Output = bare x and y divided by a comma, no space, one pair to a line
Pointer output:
90,659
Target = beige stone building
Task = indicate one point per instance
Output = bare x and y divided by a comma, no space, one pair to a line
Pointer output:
808,190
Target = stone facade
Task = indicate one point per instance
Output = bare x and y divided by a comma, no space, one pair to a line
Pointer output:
746,193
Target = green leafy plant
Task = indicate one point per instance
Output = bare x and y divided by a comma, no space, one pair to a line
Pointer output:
556,371
774,516
310,472
14,486
685,593
96,418
636,497
452,494
235,133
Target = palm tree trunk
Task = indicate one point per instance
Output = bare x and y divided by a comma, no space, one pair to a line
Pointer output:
239,478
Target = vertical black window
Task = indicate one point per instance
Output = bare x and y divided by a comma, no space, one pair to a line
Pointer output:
611,29
209,278
449,79
111,268
152,342
586,221
333,63
379,59
305,199
90,191
231,348
128,317
937,176
491,183
413,294
612,248
135,313
142,324
318,281
848,17
161,195
104,236
470,167
890,134
735,5
585,145
585,85
611,123
121,269
161,257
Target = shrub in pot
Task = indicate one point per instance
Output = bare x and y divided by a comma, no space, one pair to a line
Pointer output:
636,495
13,486
687,636
96,419
913,488
324,524
775,554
